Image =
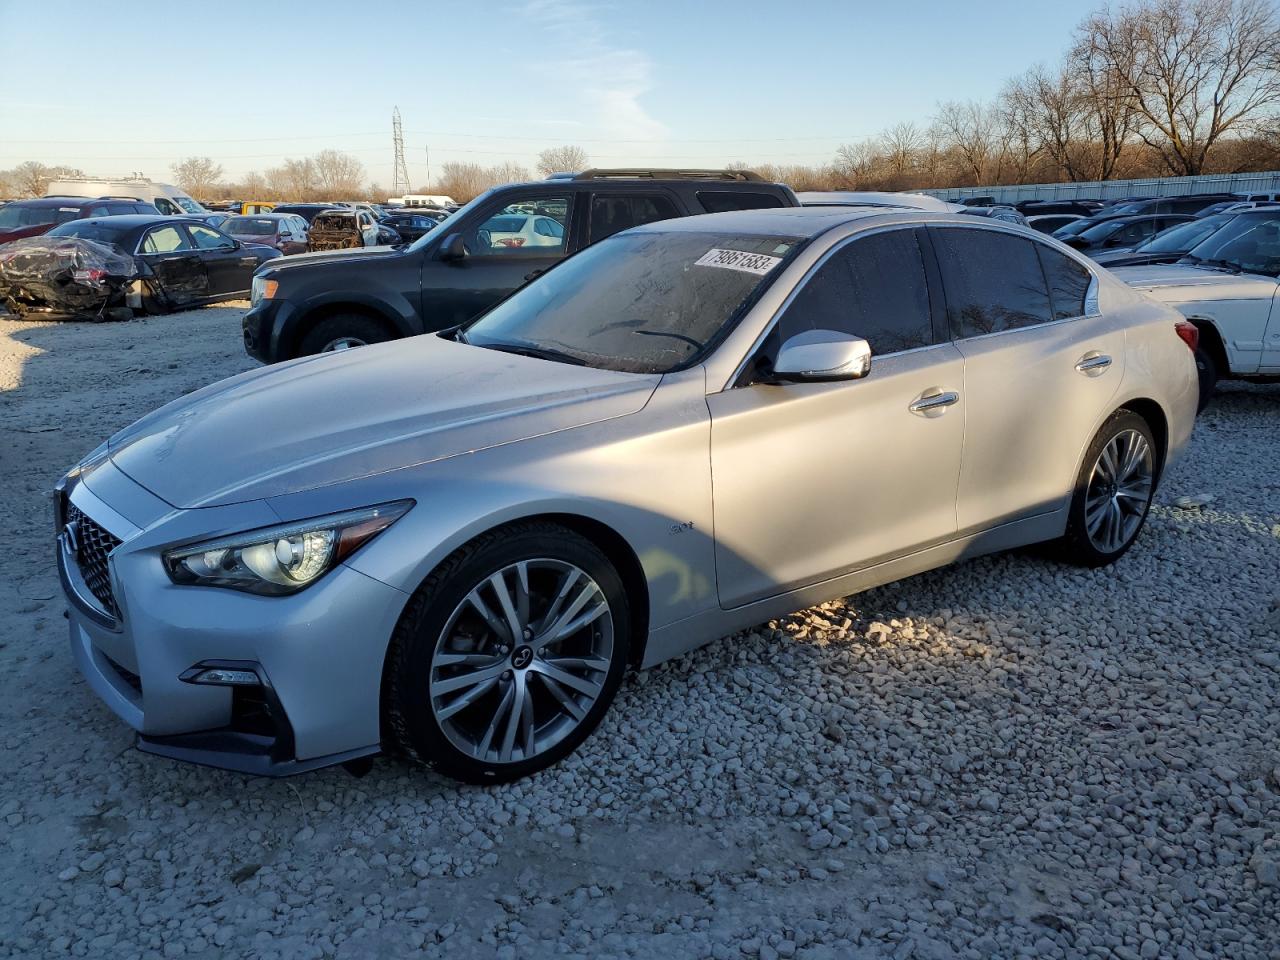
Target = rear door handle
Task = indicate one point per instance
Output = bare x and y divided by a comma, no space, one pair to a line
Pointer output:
933,403
1093,363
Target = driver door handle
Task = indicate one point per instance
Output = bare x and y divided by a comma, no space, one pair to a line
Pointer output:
1093,363
933,403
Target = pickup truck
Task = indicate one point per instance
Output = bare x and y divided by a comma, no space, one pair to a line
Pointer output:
334,300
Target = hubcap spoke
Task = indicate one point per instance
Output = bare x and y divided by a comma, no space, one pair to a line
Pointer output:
1119,491
463,680
565,678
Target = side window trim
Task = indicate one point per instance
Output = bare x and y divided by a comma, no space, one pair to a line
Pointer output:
926,255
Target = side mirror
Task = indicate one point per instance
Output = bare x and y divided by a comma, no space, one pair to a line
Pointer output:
821,355
453,247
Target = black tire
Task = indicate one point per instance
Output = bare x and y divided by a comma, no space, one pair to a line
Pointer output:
410,725
1207,371
1077,546
351,326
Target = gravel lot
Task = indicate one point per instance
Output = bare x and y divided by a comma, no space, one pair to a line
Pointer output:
1007,758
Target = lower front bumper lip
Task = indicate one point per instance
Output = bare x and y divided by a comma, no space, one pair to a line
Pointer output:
242,753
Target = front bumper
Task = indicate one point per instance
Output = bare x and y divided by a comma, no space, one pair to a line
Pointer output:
263,328
318,654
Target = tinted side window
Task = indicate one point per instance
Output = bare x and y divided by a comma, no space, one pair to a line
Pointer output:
874,288
993,281
610,215
207,239
1068,282
717,201
165,240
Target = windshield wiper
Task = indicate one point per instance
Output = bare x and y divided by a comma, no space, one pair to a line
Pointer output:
674,336
1223,264
538,353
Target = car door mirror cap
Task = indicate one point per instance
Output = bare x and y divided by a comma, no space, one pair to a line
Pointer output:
822,355
453,247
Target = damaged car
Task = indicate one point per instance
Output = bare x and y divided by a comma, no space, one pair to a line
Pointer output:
65,277
176,264
345,230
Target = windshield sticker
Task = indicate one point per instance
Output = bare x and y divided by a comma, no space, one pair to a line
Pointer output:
757,263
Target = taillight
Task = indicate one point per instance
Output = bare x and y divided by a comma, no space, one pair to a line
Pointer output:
1189,333
511,242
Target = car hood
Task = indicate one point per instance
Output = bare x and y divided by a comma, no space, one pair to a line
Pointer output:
1128,258
341,416
1181,282
335,257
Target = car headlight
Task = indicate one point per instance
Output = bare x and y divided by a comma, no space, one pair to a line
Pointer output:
262,289
281,559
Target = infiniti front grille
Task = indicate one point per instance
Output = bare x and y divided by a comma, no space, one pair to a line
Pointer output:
93,543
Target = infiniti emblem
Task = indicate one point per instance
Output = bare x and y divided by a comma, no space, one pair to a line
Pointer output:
71,538
522,657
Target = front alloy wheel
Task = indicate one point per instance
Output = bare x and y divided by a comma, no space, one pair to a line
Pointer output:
521,661
508,655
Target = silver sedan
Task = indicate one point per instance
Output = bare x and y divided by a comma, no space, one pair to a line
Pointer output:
454,546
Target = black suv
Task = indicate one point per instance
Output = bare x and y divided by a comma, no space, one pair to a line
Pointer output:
494,245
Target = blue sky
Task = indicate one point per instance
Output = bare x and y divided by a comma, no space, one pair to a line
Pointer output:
656,82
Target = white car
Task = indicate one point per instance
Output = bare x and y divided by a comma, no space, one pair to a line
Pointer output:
876,198
1227,287
522,230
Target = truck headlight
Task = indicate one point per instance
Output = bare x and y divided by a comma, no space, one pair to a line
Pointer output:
262,289
281,559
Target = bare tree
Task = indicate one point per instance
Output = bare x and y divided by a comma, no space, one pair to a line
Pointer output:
855,161
337,174
566,159
1192,70
31,178
197,175
901,143
973,132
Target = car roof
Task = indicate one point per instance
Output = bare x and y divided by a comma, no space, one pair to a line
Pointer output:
134,221
787,221
269,215
59,201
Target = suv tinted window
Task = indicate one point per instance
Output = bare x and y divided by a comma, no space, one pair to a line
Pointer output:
717,201
610,215
874,288
1068,282
993,281
508,231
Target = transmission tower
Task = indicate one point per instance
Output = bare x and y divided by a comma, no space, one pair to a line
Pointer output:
400,179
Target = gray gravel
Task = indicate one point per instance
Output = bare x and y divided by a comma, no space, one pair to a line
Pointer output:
1009,758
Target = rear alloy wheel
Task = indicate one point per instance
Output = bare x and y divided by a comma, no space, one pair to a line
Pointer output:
1114,491
342,332
509,656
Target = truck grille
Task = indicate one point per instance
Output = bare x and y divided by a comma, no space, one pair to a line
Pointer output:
93,545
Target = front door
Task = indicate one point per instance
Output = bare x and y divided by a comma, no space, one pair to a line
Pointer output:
229,267
178,273
1041,367
814,480
496,264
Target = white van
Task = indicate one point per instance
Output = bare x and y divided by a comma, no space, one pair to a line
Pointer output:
163,196
428,200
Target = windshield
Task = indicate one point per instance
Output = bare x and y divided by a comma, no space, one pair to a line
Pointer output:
1076,226
14,217
87,230
644,302
1101,231
1125,209
249,227
1248,243
1184,236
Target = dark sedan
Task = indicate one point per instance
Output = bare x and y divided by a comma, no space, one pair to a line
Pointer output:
1121,233
410,226
1166,246
180,263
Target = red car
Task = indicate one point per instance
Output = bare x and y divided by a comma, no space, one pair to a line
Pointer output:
32,218
287,232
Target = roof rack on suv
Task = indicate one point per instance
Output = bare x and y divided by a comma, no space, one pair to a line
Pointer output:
645,173
112,196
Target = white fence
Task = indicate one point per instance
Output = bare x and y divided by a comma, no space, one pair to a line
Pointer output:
1243,183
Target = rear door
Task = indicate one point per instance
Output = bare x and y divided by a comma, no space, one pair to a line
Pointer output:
229,266
1041,367
175,264
456,291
